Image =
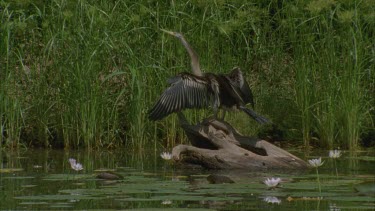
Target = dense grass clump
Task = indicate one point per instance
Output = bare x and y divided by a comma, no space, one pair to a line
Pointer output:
84,73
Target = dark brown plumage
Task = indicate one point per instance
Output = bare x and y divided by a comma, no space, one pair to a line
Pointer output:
200,90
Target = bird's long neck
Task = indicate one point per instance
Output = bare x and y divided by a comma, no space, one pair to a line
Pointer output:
194,58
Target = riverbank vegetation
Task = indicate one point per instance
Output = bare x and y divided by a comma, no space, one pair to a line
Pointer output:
84,73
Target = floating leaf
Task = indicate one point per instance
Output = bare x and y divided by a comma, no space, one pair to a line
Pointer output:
10,170
313,185
56,197
196,198
104,170
34,203
28,186
352,198
366,158
311,194
62,177
172,208
18,177
367,188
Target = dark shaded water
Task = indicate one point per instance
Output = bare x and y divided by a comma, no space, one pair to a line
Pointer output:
43,179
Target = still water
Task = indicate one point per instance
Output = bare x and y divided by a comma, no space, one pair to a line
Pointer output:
44,180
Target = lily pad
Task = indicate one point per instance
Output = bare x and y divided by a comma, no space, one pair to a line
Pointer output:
18,177
174,209
28,186
34,203
312,194
366,188
313,185
104,170
353,198
10,170
365,158
196,198
55,197
62,177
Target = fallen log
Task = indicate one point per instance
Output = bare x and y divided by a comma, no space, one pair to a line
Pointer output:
217,145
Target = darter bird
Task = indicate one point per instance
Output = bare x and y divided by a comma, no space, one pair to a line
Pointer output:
202,90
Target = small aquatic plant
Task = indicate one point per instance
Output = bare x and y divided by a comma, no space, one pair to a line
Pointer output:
166,155
272,200
316,163
272,182
334,153
75,166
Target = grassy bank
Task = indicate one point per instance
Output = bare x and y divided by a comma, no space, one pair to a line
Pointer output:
84,73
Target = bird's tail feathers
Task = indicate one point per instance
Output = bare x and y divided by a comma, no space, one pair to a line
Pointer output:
260,119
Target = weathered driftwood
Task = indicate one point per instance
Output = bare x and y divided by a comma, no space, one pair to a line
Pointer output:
217,145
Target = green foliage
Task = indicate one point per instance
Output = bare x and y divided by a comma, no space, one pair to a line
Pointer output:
84,73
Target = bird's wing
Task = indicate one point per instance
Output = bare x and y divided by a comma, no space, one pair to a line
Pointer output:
185,91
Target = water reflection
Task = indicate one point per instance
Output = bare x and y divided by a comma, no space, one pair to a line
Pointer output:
272,200
166,202
333,207
118,180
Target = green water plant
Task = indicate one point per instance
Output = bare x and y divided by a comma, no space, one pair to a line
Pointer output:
74,165
335,154
166,155
272,183
316,163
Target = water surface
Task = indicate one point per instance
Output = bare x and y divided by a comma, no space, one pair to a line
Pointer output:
43,179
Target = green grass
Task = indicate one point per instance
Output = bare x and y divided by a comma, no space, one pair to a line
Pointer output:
84,73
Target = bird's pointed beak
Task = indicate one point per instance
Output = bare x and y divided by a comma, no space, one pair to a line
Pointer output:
168,32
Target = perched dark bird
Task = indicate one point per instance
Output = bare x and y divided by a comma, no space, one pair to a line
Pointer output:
200,90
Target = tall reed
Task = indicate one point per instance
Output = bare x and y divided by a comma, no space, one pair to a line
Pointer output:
84,74
11,118
331,75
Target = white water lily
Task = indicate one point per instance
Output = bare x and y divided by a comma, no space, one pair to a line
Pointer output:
272,182
75,166
334,153
166,155
272,200
316,162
